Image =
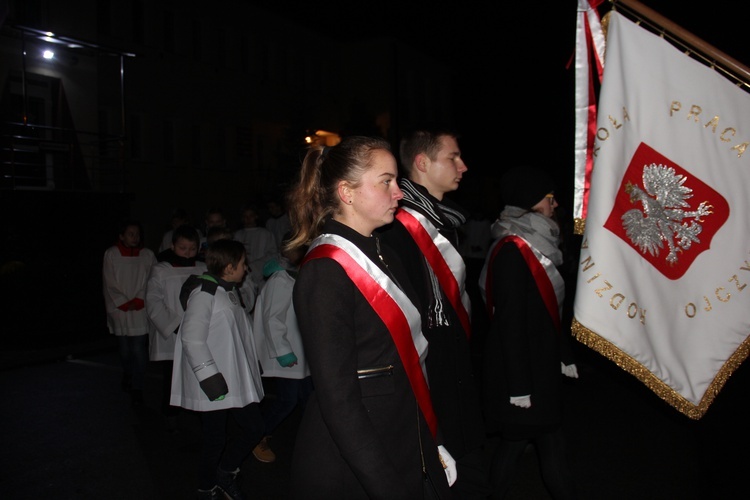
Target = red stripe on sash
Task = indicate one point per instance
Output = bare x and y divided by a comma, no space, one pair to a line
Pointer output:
393,317
439,266
537,271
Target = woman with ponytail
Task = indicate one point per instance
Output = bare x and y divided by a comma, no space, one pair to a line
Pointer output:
369,430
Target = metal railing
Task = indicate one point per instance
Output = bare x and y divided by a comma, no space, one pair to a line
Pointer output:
34,157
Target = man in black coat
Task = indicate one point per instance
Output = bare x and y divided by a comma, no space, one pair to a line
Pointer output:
425,233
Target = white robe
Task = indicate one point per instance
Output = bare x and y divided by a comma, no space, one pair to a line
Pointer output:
215,334
163,306
275,328
124,278
260,246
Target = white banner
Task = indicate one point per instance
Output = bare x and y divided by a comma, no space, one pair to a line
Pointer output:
665,259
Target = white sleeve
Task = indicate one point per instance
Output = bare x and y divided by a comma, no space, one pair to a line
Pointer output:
277,301
194,334
113,294
157,304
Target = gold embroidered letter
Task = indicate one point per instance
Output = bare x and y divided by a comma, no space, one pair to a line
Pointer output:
600,290
694,112
725,298
737,283
612,302
690,310
741,148
713,124
587,263
727,131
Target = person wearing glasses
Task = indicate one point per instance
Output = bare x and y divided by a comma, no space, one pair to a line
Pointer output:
526,353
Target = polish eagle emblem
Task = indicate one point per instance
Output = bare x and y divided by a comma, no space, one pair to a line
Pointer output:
664,217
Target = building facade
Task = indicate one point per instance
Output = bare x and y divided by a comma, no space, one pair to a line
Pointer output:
146,106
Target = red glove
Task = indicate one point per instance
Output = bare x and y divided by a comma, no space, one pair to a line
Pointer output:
132,305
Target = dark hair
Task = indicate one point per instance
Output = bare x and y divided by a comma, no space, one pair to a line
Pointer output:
253,209
249,206
180,213
217,233
524,186
314,197
186,232
292,252
221,253
421,141
216,211
125,224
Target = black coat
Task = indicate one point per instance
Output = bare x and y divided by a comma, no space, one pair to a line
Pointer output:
359,438
454,390
523,353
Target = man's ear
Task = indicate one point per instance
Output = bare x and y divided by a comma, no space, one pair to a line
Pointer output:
421,162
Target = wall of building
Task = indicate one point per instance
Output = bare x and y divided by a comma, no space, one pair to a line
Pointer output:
216,107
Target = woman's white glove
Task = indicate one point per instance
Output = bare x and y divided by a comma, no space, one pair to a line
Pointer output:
522,401
569,370
448,464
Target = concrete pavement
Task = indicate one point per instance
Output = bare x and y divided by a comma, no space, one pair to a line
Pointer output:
70,433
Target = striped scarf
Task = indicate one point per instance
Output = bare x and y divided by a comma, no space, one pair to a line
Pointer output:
447,217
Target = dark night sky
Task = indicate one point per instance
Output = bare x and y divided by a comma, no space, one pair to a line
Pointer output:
513,94
532,30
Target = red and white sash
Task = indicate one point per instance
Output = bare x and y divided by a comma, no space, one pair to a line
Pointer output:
548,279
443,258
391,304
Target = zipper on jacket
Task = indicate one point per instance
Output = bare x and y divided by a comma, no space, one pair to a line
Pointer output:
380,371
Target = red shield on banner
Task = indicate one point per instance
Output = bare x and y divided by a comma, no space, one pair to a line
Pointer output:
665,213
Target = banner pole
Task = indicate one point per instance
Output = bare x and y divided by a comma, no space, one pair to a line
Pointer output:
708,52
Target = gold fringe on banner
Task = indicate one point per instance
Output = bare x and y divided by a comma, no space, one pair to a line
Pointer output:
630,365
579,225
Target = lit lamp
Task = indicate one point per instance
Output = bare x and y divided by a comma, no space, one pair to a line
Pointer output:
323,138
